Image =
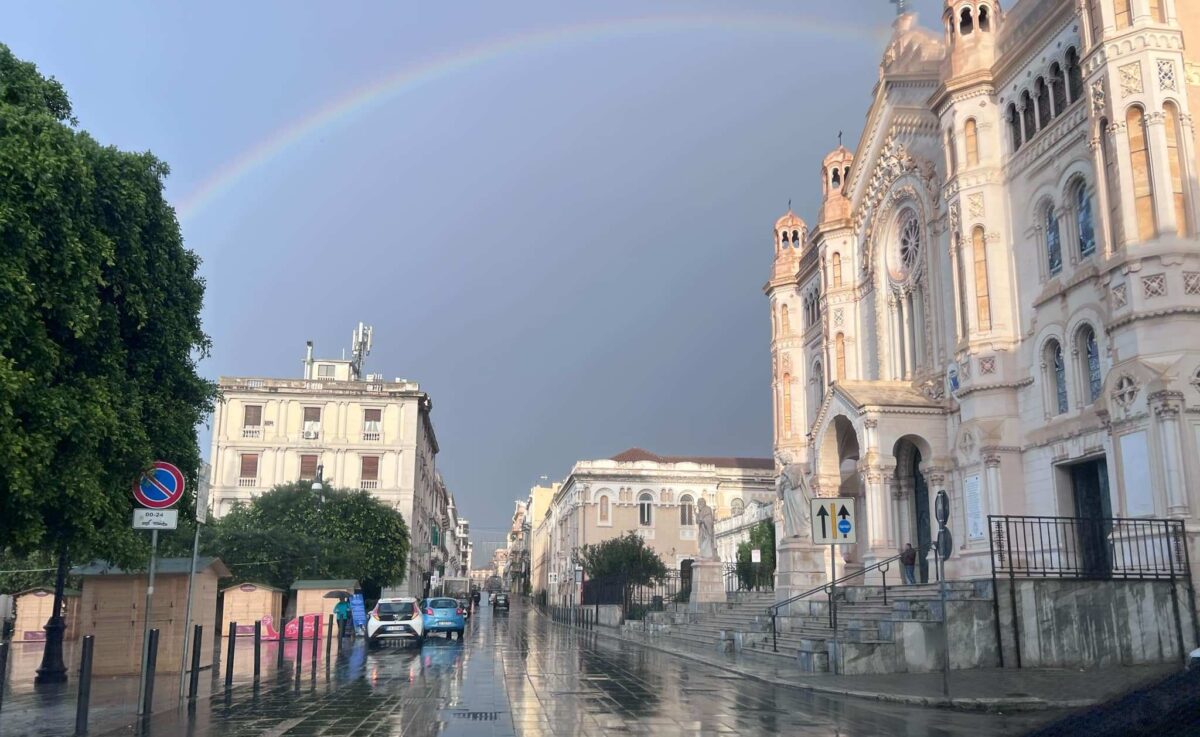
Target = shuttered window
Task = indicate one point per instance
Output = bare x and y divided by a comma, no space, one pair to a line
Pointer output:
252,415
308,467
370,468
249,466
312,414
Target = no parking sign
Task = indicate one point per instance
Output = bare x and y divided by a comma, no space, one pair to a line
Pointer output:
161,487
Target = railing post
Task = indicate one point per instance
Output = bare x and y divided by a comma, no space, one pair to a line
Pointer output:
995,537
229,654
774,633
85,685
194,676
883,572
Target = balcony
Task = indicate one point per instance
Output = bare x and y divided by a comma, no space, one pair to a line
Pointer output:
370,437
368,484
247,483
252,432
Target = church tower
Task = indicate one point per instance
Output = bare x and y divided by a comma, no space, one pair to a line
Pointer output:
787,331
836,281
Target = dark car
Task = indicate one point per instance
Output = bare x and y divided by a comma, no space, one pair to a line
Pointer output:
500,601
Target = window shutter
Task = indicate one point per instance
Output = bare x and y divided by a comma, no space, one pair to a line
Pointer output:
252,415
370,468
372,415
308,467
249,465
312,414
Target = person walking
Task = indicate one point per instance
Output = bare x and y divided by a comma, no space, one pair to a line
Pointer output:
475,599
341,612
908,563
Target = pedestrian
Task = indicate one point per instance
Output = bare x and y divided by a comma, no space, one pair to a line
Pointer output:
475,599
908,563
341,612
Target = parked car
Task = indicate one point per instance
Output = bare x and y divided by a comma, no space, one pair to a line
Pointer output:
500,602
443,615
395,620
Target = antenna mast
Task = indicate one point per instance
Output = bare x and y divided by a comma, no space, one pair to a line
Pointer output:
360,342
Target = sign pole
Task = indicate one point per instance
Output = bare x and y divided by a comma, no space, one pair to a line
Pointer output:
833,606
201,514
141,710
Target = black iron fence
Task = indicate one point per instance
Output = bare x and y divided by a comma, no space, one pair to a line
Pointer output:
668,592
747,576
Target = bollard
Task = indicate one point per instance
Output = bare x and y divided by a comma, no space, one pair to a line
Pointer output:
194,681
328,640
229,656
85,685
315,646
279,651
299,649
151,662
3,669
257,651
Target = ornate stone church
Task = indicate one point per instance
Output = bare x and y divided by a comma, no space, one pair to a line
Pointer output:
1000,296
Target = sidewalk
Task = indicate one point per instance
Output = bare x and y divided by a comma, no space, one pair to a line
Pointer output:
990,689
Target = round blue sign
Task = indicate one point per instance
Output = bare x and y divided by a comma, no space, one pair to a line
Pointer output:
844,527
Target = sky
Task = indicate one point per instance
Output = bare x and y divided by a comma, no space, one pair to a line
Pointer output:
557,216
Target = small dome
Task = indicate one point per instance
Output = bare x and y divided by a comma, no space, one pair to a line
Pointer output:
838,156
789,221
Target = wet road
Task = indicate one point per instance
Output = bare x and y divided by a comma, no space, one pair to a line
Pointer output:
519,674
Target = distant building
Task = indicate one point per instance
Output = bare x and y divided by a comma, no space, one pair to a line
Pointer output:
651,495
735,529
538,505
354,431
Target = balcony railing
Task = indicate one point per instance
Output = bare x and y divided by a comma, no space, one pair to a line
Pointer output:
369,484
370,437
247,482
252,432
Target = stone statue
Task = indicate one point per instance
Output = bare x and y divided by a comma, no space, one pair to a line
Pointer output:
705,532
791,490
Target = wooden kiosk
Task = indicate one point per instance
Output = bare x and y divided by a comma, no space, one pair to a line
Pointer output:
34,608
247,603
113,604
310,595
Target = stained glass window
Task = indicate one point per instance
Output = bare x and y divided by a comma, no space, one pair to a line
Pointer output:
1083,218
1093,363
1053,243
1060,377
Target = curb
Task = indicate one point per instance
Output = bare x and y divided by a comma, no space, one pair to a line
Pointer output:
972,704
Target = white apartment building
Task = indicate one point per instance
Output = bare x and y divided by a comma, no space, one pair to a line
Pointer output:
358,433
735,529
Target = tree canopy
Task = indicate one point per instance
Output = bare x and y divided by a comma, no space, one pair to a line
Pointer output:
99,328
288,534
752,575
626,556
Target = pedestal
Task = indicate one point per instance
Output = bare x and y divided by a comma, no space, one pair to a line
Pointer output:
800,566
708,583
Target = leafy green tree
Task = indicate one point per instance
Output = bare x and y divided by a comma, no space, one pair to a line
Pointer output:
99,334
288,533
626,556
752,575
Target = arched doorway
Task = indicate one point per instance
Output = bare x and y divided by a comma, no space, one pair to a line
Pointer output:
914,490
838,475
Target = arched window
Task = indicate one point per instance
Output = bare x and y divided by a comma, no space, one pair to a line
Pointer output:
785,323
966,25
1029,115
952,148
837,179
1058,89
783,240
645,509
985,19
1124,13
605,512
836,261
1178,167
1158,10
1112,181
1143,187
1091,352
1014,126
1043,102
840,348
983,306
736,507
1057,370
1053,242
1097,21
971,131
1074,74
687,512
787,405
1083,220
796,239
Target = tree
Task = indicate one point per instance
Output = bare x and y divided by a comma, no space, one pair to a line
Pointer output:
99,335
626,556
751,575
288,533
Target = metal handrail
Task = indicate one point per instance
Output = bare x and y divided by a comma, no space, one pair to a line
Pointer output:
882,566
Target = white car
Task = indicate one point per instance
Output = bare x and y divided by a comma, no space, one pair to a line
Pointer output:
395,620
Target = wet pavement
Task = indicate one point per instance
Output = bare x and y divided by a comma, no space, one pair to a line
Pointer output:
520,674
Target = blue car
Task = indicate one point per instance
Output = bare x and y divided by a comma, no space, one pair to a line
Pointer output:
443,614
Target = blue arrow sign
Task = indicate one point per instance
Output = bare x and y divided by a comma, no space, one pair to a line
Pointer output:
844,527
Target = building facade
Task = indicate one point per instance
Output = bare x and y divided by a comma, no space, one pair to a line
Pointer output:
357,433
538,505
650,495
735,529
1001,296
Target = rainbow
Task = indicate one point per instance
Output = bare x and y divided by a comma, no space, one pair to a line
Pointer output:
373,94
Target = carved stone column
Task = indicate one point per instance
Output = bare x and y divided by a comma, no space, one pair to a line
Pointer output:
1166,407
991,468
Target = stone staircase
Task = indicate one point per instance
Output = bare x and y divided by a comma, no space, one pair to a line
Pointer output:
867,627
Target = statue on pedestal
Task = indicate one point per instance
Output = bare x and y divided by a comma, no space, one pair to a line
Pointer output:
705,532
791,490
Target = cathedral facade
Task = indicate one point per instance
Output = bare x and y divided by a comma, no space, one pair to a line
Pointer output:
1001,295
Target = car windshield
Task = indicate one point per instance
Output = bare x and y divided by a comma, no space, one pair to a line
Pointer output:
443,604
396,608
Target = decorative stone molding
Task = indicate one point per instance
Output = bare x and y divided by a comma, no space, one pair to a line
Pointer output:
1099,99
991,461
1166,76
1154,285
987,365
975,205
1125,391
1191,283
1191,71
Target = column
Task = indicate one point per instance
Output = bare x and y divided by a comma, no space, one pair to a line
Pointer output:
1119,135
1101,220
1160,171
991,479
1167,411
901,503
906,335
1187,154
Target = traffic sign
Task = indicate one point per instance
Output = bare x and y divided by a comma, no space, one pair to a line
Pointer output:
159,488
155,519
756,555
834,522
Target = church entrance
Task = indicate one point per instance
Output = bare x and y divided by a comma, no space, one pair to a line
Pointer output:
1089,482
910,479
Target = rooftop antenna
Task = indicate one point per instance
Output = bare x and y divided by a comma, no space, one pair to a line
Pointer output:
360,342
